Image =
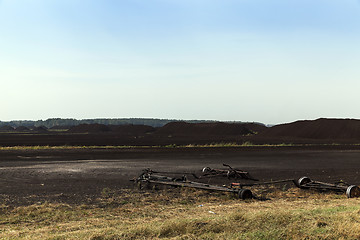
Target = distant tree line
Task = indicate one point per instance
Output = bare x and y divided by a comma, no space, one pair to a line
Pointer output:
54,122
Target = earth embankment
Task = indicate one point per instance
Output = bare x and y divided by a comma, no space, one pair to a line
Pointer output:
320,131
325,130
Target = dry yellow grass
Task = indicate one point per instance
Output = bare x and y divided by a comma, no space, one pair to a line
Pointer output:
189,214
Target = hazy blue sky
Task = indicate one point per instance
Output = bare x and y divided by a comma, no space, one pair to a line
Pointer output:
247,60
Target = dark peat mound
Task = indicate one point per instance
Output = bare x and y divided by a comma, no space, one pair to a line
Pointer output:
255,127
22,129
203,129
60,127
40,129
89,128
336,129
131,130
6,128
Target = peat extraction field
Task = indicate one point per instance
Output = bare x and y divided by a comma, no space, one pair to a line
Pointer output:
76,184
28,176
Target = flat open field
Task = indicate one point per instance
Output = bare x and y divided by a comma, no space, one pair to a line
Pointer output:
79,176
85,193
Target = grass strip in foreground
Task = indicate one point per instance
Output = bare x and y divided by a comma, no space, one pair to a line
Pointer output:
188,214
212,145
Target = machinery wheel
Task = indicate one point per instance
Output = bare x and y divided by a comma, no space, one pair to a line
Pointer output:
230,174
353,191
206,169
302,181
244,194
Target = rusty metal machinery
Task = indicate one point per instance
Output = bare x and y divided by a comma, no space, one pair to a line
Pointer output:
351,191
148,177
229,173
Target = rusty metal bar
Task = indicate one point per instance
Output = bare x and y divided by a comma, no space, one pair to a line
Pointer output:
262,183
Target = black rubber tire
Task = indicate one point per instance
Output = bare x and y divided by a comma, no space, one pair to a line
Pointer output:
302,181
229,174
353,191
206,169
245,194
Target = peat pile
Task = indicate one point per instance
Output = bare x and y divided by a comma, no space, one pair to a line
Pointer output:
6,128
334,129
204,129
90,128
22,129
40,129
60,128
255,127
124,130
132,130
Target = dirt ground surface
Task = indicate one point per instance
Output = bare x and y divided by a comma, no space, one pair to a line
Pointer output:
80,176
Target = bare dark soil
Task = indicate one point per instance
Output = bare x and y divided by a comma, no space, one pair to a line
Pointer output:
82,176
79,176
